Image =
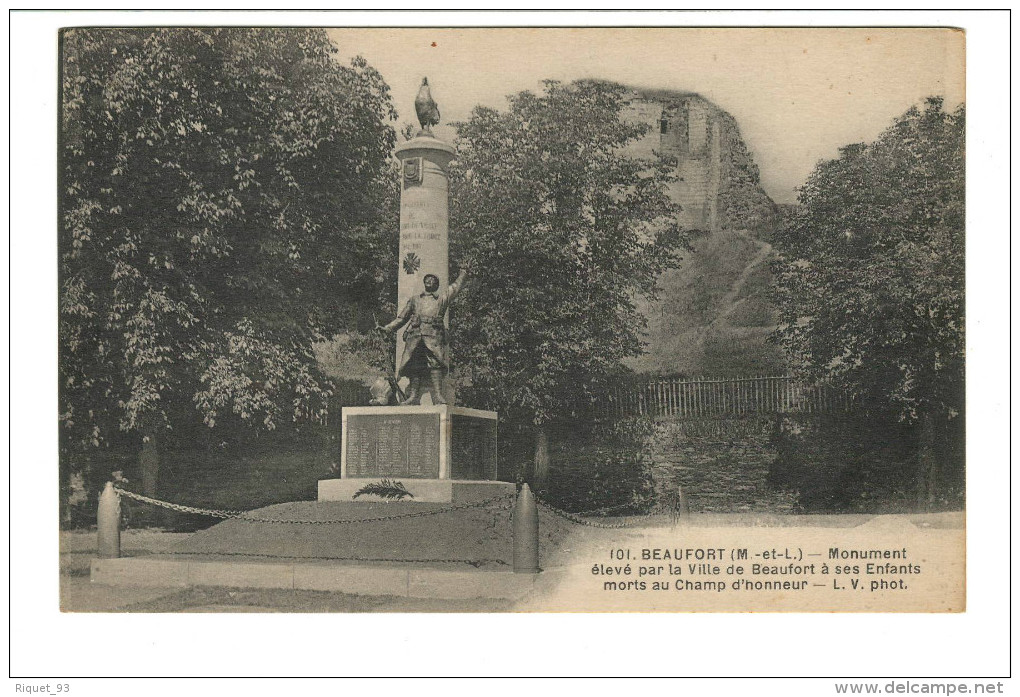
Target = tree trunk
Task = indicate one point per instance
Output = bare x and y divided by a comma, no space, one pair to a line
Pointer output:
541,458
64,469
928,467
149,461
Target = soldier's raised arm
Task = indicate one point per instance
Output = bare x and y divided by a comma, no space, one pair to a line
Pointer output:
458,284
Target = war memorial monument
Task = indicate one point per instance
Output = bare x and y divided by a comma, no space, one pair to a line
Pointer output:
438,451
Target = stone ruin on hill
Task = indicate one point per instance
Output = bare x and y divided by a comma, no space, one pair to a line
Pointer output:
714,314
718,187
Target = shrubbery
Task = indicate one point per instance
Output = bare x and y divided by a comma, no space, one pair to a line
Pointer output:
605,465
855,463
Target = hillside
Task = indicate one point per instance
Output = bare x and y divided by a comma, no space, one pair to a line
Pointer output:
713,314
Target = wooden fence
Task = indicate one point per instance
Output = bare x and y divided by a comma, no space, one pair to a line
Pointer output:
687,398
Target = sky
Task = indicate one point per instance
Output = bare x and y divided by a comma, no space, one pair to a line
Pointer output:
797,94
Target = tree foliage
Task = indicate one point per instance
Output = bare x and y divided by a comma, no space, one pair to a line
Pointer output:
871,267
223,203
563,230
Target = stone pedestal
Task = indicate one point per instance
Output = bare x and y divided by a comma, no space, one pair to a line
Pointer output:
439,453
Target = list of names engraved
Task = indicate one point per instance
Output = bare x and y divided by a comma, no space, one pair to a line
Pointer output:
392,445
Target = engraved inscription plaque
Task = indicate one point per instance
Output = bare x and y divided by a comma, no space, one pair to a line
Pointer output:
473,448
393,445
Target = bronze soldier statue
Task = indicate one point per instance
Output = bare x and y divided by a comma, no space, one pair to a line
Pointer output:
426,345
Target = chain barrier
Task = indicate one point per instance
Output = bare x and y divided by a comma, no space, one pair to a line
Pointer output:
578,520
247,517
607,509
179,507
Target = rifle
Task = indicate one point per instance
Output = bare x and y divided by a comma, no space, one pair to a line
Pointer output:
391,376
392,380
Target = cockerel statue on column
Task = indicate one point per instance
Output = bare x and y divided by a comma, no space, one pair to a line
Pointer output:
426,107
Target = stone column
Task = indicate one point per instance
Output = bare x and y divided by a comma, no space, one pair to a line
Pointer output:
424,218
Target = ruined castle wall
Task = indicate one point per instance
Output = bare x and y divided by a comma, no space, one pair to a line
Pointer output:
719,186
693,192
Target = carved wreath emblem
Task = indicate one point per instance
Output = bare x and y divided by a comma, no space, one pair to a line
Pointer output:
411,263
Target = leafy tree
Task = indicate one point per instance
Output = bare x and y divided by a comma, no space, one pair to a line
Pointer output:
223,206
563,230
871,276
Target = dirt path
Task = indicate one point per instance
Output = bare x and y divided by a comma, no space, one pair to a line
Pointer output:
729,301
80,595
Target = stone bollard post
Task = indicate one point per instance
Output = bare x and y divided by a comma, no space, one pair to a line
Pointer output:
525,533
108,522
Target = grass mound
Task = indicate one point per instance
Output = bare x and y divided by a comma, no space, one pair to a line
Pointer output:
479,537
